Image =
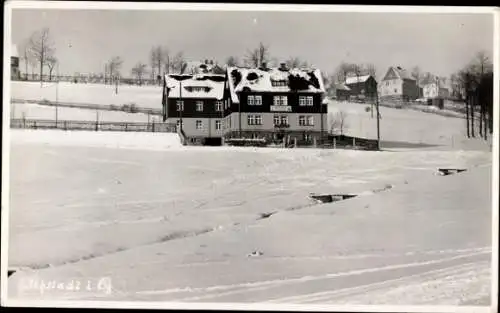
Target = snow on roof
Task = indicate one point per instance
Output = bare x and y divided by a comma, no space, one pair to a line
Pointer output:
403,73
13,51
261,80
342,87
195,86
355,79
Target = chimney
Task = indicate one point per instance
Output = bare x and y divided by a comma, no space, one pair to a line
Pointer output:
283,66
206,61
263,66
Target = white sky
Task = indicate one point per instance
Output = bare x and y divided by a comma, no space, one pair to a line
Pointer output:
439,43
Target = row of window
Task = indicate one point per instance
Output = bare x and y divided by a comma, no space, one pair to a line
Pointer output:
199,124
304,120
199,105
251,100
280,100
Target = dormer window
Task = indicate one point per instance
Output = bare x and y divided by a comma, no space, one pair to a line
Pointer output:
279,83
197,89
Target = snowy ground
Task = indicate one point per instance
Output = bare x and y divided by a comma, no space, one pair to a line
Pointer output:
411,126
142,96
172,223
44,112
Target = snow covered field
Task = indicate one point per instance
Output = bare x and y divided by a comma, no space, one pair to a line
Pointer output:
172,223
143,96
44,112
406,126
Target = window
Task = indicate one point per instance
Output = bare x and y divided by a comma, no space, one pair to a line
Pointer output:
218,106
251,119
279,83
302,120
180,105
258,100
310,120
199,106
250,100
199,124
218,125
254,100
276,120
280,120
305,100
258,120
280,100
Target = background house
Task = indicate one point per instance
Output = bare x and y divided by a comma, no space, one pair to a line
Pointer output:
14,64
342,92
434,88
362,87
398,84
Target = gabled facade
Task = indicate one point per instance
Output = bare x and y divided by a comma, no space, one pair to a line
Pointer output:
276,104
195,103
398,84
362,87
433,89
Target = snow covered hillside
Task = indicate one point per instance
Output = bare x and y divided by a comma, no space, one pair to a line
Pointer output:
168,223
44,112
405,126
142,96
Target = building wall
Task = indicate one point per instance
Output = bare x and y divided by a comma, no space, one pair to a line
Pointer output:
367,88
410,89
190,108
207,130
14,68
391,87
268,122
430,90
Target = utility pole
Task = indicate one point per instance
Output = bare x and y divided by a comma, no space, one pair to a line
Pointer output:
378,122
57,93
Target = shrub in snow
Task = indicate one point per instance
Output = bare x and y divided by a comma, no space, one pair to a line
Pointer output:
367,109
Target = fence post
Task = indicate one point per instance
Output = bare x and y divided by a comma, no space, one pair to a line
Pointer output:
153,127
315,142
334,143
126,127
354,142
295,142
34,124
65,125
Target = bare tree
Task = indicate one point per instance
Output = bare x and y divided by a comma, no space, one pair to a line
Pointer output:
369,69
232,61
257,56
158,56
343,70
296,62
51,63
41,47
139,70
417,74
178,62
338,122
26,56
114,67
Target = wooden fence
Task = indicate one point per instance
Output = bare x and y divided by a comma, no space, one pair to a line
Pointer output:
95,126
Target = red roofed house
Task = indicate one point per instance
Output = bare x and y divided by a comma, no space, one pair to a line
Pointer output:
398,85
